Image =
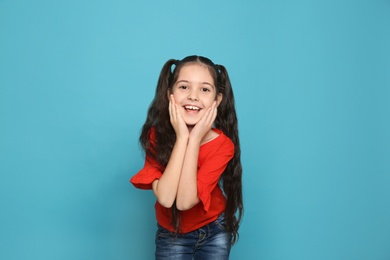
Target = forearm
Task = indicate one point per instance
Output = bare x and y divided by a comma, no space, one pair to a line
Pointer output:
165,189
187,193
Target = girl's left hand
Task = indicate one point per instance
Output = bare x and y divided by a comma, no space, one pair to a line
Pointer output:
205,123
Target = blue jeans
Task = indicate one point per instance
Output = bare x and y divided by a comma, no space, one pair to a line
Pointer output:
208,242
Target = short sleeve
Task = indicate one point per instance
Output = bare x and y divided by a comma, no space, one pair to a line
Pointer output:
211,169
145,177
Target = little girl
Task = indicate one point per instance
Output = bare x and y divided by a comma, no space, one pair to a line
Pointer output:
192,163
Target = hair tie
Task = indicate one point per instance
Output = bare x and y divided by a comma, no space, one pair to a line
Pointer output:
217,68
174,65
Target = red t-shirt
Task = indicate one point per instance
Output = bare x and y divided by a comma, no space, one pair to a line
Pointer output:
213,159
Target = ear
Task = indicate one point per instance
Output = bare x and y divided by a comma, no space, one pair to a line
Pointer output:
168,94
219,99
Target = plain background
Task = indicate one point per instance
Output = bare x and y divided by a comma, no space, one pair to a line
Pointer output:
311,80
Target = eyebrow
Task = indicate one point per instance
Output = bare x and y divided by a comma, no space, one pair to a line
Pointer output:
204,83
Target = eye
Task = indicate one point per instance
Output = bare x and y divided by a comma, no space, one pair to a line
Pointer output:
183,87
205,90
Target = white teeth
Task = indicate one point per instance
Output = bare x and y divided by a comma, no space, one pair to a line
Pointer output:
192,107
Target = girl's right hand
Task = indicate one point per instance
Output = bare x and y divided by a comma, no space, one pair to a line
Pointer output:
177,121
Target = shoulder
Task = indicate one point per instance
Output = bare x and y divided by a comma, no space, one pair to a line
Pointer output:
216,152
222,136
220,141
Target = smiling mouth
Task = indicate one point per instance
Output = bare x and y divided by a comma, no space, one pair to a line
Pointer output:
191,108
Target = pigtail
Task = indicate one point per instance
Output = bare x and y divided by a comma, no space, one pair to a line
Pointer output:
231,178
158,116
226,110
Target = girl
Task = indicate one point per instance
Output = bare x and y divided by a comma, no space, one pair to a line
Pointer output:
193,165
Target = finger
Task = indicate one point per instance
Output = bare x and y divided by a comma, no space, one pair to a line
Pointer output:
170,109
211,114
215,112
173,115
177,113
212,118
173,109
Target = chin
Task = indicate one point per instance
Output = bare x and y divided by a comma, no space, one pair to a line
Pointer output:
191,121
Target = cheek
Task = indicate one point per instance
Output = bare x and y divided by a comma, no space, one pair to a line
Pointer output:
210,101
176,98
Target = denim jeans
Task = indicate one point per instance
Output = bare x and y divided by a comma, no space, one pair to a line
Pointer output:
208,242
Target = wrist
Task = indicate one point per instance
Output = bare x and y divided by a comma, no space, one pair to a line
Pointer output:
182,138
195,140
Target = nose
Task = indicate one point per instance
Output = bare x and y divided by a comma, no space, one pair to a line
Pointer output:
193,96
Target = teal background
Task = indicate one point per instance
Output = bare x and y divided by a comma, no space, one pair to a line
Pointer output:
311,80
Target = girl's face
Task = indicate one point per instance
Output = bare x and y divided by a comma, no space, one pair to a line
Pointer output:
194,92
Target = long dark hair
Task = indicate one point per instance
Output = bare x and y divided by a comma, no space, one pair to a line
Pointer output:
226,121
